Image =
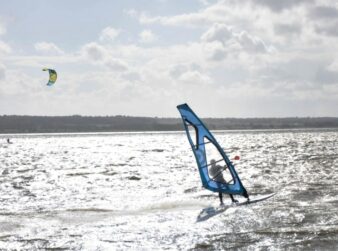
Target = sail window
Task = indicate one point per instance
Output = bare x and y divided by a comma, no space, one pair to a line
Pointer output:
217,168
193,135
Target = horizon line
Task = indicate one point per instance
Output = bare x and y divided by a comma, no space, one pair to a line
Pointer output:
157,117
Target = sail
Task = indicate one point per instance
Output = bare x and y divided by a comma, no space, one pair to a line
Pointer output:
206,150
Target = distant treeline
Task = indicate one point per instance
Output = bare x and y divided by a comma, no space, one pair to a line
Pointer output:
45,124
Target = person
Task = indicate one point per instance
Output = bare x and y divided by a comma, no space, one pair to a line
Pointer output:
8,141
216,174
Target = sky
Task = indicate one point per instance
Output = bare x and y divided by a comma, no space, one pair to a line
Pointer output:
226,58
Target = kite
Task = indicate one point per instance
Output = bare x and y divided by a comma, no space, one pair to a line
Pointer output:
52,76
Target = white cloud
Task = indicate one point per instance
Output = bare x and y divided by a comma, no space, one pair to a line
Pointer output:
204,2
327,76
287,29
218,32
4,48
2,72
18,83
147,36
245,15
94,52
102,55
116,65
49,48
131,76
176,71
220,40
193,19
333,66
252,43
277,5
2,29
324,12
215,51
329,29
223,11
109,34
195,78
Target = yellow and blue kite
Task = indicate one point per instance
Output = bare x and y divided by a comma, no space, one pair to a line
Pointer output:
52,76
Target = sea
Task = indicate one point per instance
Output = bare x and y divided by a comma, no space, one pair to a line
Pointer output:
142,191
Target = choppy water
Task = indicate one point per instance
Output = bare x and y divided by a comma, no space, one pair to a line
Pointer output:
141,191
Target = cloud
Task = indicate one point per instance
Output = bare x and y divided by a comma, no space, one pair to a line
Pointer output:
329,29
323,19
116,65
252,43
17,82
287,29
220,40
187,19
327,76
177,70
147,36
109,34
103,56
2,29
333,66
4,48
277,5
323,12
94,52
215,51
218,32
195,78
132,13
204,2
2,72
131,76
244,14
49,48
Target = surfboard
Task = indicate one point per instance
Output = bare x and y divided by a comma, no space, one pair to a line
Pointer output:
254,199
209,212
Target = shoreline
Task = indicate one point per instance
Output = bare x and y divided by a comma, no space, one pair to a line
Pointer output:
281,130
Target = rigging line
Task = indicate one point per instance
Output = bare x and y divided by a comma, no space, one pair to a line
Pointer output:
230,181
210,163
193,125
204,143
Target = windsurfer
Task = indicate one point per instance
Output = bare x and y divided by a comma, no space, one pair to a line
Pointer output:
215,172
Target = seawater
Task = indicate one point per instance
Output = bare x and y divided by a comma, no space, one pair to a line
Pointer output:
142,191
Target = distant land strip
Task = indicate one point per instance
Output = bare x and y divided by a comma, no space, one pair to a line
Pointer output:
76,123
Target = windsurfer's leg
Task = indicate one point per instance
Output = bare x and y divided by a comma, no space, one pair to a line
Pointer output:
220,195
246,195
232,198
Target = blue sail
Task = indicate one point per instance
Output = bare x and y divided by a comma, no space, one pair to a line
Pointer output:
199,137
